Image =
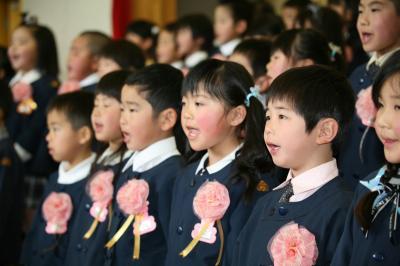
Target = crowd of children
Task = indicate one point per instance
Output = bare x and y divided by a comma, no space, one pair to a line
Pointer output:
251,139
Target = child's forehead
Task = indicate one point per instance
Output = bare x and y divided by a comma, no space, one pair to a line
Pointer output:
276,103
392,85
57,116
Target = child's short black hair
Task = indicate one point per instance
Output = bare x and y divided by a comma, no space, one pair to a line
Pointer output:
316,92
161,84
240,10
5,99
258,52
126,54
96,41
111,84
143,28
200,26
76,106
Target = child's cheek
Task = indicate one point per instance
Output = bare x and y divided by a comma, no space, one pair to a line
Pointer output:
208,124
397,128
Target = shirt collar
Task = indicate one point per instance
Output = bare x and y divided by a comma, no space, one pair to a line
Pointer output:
227,48
77,173
109,157
195,58
380,60
89,80
312,178
26,77
177,64
153,155
3,133
211,169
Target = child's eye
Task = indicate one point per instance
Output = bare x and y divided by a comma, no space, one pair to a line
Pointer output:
267,117
282,117
397,107
183,103
198,104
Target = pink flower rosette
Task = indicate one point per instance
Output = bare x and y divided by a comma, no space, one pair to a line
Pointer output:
132,200
365,107
23,94
100,190
293,245
57,210
210,204
69,86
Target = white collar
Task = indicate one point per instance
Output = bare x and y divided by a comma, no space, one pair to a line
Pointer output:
195,58
89,80
382,59
3,133
75,174
228,47
177,64
26,77
153,155
108,157
211,169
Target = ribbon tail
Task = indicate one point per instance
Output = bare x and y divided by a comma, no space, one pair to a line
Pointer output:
120,232
91,230
194,242
221,237
136,232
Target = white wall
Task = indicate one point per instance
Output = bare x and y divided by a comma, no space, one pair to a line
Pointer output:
67,18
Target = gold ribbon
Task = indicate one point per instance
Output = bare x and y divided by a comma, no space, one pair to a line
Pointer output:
195,240
221,237
136,245
90,232
120,232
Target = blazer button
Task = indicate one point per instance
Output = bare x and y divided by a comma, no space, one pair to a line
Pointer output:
378,257
87,206
362,80
79,247
179,230
283,211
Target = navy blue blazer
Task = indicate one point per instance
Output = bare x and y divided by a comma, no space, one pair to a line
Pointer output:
86,251
29,131
153,245
349,162
375,249
41,248
323,214
11,203
89,88
183,218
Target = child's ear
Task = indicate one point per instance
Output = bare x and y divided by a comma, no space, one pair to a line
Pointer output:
327,130
167,119
241,26
147,43
237,115
84,135
199,43
95,63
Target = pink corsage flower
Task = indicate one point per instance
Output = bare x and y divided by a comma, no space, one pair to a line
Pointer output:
209,204
293,245
101,190
365,107
69,86
132,200
21,91
57,210
132,197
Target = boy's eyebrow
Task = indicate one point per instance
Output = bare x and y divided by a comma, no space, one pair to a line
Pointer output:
395,96
376,2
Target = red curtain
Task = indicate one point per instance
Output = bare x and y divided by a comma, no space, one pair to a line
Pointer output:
121,16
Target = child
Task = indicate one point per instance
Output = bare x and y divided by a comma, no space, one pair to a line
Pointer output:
144,34
105,122
118,55
33,56
371,235
254,55
290,10
228,148
149,121
231,21
307,112
69,142
295,48
83,62
194,38
379,31
11,188
167,48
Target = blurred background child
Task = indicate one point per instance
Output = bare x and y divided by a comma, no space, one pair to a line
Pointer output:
167,47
